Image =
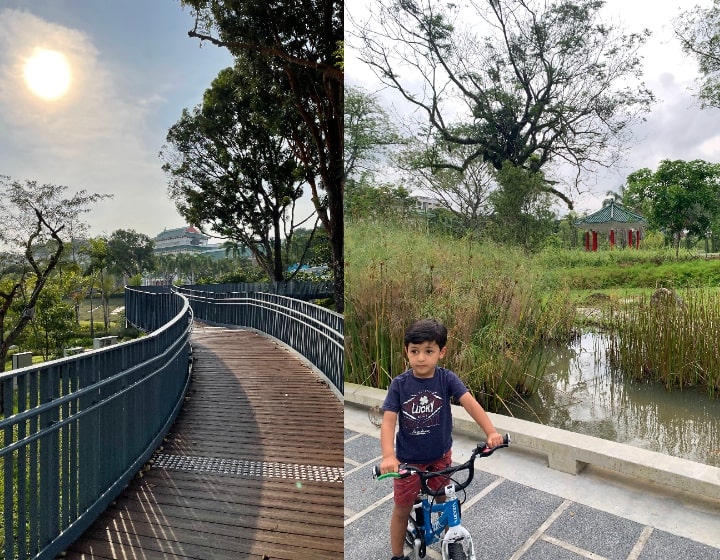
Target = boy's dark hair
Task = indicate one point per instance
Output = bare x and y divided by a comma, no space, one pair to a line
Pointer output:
426,330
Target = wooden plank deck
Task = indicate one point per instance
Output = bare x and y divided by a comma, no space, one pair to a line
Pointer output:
252,467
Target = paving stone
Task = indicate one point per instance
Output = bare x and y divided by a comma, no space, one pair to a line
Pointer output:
542,550
363,449
595,531
508,516
664,546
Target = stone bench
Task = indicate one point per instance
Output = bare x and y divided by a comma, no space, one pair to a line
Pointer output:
570,452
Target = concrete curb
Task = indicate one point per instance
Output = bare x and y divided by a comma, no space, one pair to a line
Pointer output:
570,452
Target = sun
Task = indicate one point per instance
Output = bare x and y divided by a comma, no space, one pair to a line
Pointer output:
47,74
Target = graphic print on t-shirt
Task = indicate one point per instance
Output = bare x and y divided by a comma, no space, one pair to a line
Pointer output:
421,412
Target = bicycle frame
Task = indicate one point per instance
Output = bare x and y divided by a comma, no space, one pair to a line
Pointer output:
446,528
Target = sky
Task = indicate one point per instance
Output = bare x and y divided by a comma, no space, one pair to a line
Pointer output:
132,70
676,127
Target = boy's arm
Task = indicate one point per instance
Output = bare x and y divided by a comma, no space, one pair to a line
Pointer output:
477,412
387,442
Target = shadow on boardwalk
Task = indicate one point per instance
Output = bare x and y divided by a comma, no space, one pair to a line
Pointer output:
253,467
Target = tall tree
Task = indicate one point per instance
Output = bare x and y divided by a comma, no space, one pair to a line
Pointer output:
463,188
549,82
300,41
370,200
698,30
230,166
33,216
680,197
100,278
129,252
369,132
522,212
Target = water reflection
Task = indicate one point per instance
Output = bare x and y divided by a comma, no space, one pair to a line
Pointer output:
580,394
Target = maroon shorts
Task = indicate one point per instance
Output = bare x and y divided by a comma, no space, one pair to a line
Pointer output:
407,489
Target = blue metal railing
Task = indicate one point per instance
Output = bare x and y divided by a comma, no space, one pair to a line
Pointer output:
76,430
294,289
311,330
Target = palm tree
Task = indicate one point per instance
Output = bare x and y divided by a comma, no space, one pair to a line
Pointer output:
612,196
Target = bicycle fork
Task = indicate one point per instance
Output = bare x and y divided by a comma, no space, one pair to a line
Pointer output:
456,543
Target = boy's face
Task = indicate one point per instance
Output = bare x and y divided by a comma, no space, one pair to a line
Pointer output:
423,357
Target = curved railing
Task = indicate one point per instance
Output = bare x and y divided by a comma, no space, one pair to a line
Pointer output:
313,331
76,430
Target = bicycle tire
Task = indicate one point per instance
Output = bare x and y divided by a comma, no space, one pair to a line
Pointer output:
456,551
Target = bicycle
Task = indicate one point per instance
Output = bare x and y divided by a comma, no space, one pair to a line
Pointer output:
429,519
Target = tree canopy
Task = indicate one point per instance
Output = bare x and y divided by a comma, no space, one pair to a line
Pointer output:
129,252
230,165
300,43
532,83
678,197
698,30
368,132
36,221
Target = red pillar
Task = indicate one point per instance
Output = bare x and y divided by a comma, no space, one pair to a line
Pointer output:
637,239
594,240
612,239
631,243
587,240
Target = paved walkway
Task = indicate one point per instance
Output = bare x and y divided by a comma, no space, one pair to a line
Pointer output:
519,509
252,467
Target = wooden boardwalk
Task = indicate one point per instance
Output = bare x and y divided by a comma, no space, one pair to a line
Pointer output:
252,468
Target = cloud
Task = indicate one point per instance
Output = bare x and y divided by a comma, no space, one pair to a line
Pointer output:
94,138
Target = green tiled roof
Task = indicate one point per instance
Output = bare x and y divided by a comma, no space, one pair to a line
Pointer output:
612,215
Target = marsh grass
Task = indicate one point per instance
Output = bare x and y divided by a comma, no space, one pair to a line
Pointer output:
625,269
497,317
674,344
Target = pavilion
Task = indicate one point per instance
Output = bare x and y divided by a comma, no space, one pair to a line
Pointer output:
611,218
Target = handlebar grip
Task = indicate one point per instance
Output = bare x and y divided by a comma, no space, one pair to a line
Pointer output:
376,474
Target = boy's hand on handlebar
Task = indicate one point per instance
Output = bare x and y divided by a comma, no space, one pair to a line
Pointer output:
389,464
494,440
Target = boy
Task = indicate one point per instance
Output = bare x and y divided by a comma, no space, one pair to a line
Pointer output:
420,400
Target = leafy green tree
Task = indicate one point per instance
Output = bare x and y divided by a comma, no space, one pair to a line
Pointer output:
129,252
307,246
54,319
77,286
234,250
522,212
300,43
101,278
232,169
32,216
166,266
698,30
549,82
365,200
369,132
680,197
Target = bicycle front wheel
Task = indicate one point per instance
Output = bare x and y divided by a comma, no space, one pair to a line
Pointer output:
460,550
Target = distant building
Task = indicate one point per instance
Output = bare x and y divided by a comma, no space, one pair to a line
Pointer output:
426,204
181,240
189,240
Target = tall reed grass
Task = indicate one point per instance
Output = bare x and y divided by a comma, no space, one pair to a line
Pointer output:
669,342
486,295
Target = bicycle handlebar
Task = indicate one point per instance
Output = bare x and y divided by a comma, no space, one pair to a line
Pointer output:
405,470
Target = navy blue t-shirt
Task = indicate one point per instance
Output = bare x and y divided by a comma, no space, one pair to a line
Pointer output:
424,414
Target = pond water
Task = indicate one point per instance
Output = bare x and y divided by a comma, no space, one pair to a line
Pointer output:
582,395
